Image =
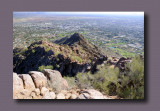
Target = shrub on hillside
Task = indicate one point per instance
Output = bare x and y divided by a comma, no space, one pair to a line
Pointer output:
132,85
77,58
41,68
71,82
112,82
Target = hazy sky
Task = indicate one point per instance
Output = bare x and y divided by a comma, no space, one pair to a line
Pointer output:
90,13
115,13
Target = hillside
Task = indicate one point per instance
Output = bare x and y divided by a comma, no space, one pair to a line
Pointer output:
79,41
76,54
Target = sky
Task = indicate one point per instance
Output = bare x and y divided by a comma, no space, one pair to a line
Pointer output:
102,13
92,13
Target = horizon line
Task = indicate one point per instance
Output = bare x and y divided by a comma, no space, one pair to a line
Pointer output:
85,13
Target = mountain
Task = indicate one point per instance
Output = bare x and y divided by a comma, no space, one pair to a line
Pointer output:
69,56
78,40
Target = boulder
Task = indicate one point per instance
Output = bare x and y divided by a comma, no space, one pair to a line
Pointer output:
38,97
64,92
23,94
112,66
28,82
46,96
39,79
33,94
44,90
49,95
91,94
73,91
60,96
17,85
37,91
56,80
52,95
64,84
68,95
73,96
84,96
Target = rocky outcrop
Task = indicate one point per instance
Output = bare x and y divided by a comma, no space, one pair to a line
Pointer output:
39,79
17,85
55,79
121,63
27,82
48,85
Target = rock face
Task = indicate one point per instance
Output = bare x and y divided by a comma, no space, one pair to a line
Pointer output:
55,79
28,82
121,63
17,85
39,79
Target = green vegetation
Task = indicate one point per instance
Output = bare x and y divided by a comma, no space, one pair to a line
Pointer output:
71,82
62,35
77,58
56,53
104,78
20,51
41,68
111,44
84,32
133,85
89,61
124,52
127,85
33,51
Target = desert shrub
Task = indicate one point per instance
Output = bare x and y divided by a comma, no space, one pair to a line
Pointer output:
89,61
71,82
33,51
41,68
47,49
84,80
132,86
57,66
24,50
77,58
19,51
107,80
56,53
102,80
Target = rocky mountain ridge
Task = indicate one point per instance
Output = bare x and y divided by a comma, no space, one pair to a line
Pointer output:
78,40
69,58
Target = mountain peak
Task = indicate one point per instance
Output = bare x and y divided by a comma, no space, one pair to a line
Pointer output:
77,35
76,38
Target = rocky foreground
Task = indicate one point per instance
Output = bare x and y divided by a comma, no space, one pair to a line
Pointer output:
49,84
